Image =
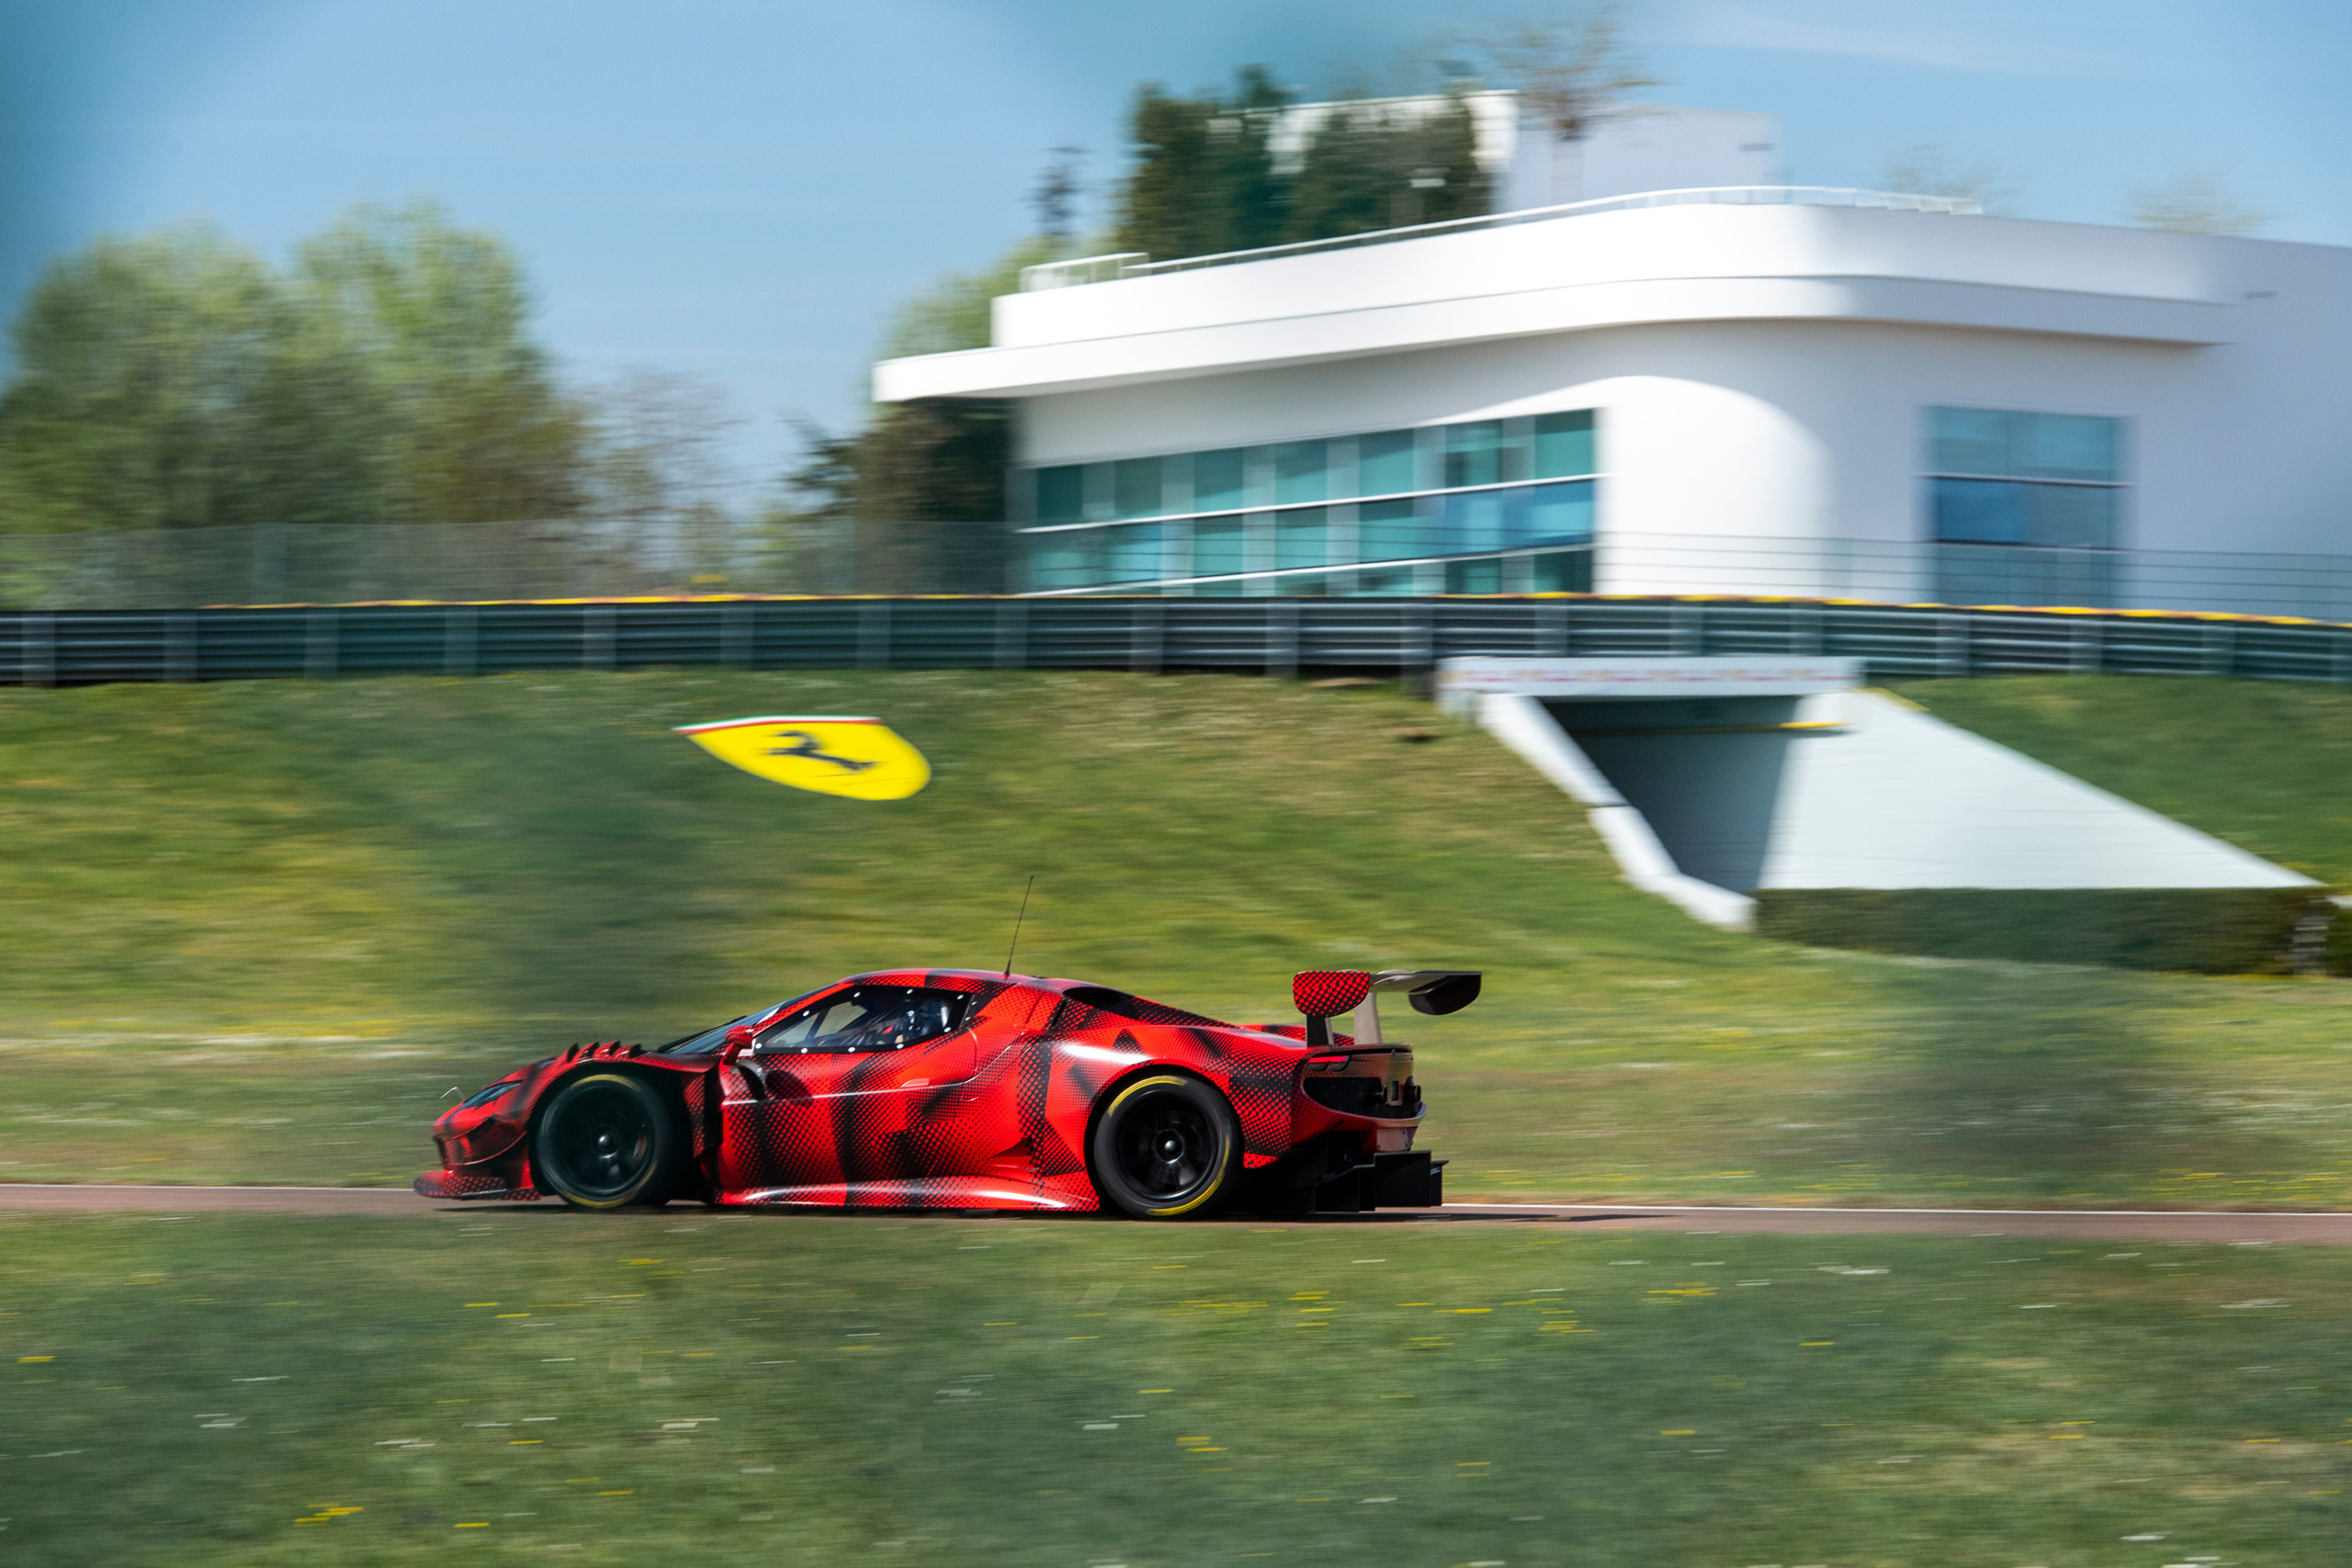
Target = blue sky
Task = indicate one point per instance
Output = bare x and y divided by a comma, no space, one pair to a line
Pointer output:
742,188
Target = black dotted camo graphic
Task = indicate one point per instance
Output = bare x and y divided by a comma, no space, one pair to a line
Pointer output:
1007,1129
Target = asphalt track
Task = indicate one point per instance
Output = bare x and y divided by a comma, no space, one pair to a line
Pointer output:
2117,1225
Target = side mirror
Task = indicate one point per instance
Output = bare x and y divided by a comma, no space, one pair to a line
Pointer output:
738,1042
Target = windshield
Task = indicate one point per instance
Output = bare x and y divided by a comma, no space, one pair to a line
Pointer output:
708,1042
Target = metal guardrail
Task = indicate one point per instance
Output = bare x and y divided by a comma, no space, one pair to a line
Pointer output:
1272,636
1137,264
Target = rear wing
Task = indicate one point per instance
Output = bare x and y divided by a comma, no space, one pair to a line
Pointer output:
1323,994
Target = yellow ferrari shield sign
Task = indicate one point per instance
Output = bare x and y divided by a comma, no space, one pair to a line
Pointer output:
861,758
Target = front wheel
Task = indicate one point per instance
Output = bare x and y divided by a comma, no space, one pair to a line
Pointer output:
1166,1147
606,1141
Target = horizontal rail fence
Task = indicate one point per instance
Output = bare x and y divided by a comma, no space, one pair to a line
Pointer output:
1275,637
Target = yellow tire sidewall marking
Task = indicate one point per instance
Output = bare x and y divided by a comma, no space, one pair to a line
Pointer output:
1171,1080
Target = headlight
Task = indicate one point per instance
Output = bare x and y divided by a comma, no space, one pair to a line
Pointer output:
493,1092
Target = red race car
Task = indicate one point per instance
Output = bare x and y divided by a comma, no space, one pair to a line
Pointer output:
955,1089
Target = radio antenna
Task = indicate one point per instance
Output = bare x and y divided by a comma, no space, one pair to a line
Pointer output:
1016,927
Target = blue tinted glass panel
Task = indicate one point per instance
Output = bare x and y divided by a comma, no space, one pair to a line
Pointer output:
1474,453
1217,479
1062,495
1391,530
1563,444
1066,561
1562,571
1473,577
1306,584
1475,522
1216,546
2070,516
1970,440
2065,446
1556,513
1298,471
1135,488
1301,538
1135,553
1979,512
1384,463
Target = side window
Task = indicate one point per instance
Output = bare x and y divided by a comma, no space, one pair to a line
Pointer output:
868,1017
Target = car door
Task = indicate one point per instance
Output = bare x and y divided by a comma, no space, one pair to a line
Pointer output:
827,1098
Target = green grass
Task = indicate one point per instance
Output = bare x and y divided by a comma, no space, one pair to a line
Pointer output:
256,930
756,1389
2261,763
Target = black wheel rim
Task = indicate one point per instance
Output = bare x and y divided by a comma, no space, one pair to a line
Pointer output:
1167,1148
599,1140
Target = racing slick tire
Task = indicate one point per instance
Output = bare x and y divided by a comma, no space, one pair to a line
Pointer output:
1166,1146
606,1141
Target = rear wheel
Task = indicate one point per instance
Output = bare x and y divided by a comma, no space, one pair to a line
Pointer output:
606,1141
1166,1147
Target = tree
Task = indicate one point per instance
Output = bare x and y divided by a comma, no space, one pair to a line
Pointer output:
1927,168
1203,180
1387,165
168,382
2195,204
473,428
177,380
1571,68
953,311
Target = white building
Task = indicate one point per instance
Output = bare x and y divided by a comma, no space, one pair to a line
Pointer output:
1753,389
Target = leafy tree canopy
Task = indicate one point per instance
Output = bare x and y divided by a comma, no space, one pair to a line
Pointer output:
176,380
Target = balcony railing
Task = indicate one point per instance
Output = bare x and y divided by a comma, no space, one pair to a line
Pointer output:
1136,264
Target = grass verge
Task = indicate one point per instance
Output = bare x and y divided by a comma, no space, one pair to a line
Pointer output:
266,1390
258,931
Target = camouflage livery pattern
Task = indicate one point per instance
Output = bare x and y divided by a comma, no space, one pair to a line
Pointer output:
994,1115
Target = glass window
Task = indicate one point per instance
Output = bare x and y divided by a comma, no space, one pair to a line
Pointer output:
1135,488
1970,440
1979,512
2065,446
1994,442
1216,546
1473,577
2077,517
1391,530
1384,463
1062,495
868,1017
1475,522
1474,453
1298,471
1563,444
1301,538
1072,559
1304,585
1136,553
2003,512
1561,571
1217,479
1556,513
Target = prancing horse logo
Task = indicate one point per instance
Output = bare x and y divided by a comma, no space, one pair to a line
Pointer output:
808,750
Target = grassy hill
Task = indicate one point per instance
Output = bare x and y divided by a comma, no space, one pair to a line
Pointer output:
254,931
2264,764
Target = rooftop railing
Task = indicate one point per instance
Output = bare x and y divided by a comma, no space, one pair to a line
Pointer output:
1137,264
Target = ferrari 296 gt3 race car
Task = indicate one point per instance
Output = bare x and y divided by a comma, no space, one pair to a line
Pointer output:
955,1089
